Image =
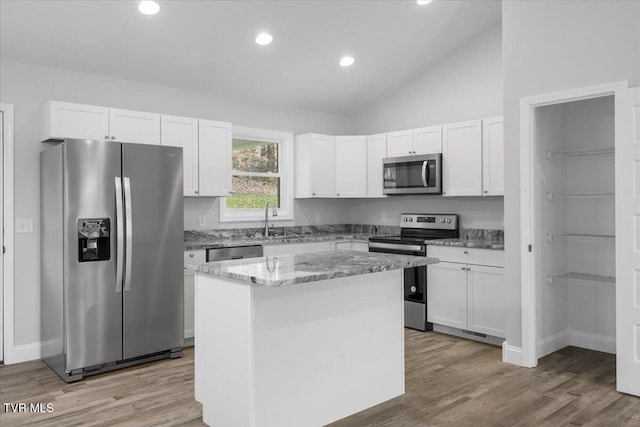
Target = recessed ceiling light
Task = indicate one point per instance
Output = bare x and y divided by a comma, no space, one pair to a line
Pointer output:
264,38
347,61
423,2
149,7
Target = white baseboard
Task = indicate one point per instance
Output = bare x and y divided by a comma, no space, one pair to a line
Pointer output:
23,353
511,354
553,343
593,342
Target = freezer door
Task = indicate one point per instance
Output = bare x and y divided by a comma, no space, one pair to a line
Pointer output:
92,300
153,285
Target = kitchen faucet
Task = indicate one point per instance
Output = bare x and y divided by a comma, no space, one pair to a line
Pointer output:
266,217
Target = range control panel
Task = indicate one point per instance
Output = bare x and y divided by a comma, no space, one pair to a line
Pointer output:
429,221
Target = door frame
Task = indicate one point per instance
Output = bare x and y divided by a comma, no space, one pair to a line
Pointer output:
7,282
528,274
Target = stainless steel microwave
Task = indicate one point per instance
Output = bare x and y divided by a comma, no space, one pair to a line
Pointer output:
421,174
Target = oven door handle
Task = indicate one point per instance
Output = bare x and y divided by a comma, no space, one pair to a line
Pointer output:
398,247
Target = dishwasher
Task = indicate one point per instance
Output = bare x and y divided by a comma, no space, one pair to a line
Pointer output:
236,252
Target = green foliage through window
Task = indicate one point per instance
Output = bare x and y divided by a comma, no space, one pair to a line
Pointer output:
255,174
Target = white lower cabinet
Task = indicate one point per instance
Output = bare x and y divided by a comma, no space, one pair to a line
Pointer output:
466,295
352,245
297,248
447,294
190,257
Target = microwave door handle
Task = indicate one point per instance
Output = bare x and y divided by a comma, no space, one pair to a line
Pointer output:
424,172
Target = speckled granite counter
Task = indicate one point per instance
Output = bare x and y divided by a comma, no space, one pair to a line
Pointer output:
206,239
469,243
303,268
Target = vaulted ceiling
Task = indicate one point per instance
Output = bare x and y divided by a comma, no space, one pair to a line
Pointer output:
209,45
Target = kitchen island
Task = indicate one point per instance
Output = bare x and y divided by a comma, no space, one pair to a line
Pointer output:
299,340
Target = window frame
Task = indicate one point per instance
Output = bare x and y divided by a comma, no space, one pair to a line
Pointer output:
285,166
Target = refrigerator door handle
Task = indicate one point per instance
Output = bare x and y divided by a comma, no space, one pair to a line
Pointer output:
120,234
129,233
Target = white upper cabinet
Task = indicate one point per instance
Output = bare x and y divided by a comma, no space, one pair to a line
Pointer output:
183,132
427,140
400,143
315,166
214,158
65,120
376,151
492,157
462,158
351,166
134,126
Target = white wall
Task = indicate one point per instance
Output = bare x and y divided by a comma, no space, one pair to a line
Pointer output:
475,212
464,85
551,46
27,87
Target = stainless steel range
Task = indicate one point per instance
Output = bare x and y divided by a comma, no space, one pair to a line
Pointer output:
416,230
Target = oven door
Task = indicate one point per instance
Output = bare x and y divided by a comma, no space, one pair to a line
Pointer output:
412,174
398,248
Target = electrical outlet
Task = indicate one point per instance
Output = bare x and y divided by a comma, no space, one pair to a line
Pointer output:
24,225
202,220
318,218
384,218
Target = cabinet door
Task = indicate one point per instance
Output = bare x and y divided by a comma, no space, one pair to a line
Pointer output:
66,120
183,132
351,166
189,303
400,143
376,151
323,166
492,157
134,126
427,140
486,312
214,158
462,159
447,294
297,248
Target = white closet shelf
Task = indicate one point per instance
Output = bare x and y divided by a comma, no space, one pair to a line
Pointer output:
582,152
591,238
581,277
551,196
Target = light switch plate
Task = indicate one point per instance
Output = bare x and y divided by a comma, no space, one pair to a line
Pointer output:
318,218
202,220
384,218
24,225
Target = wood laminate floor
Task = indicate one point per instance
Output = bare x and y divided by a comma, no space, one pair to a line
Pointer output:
449,381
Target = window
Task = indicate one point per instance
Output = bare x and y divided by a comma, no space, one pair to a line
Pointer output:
262,171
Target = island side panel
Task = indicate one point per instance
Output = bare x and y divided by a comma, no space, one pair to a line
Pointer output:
224,351
325,350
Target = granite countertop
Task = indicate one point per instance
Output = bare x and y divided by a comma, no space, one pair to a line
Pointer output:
207,239
313,267
469,243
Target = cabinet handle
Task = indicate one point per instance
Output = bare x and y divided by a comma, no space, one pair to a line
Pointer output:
313,194
191,255
113,137
486,191
466,252
338,194
409,151
468,269
463,268
197,191
106,137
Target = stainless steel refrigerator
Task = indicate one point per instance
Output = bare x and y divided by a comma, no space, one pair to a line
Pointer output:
112,255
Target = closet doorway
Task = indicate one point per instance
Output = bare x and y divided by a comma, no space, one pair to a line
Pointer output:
581,225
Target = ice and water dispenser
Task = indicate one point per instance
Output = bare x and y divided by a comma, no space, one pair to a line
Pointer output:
93,239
